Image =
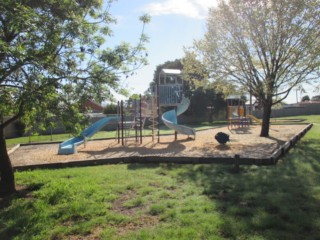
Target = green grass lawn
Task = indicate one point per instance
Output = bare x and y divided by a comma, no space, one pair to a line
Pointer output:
167,201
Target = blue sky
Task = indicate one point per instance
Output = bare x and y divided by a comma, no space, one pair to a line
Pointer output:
174,24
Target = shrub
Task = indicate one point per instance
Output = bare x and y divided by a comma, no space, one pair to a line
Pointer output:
110,109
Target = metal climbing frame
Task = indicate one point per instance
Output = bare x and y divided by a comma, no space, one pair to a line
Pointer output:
167,92
129,120
153,117
133,116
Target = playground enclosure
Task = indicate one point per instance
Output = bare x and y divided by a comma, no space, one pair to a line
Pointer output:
132,117
247,145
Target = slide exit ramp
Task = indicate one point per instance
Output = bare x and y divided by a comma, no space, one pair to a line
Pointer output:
255,119
70,146
169,118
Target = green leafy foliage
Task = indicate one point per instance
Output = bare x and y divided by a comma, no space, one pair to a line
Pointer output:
305,98
176,64
110,109
53,57
265,48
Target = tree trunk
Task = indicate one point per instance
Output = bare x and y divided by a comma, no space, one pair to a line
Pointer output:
266,118
7,183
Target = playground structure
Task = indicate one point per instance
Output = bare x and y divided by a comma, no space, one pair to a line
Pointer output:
169,87
236,112
169,92
169,118
133,114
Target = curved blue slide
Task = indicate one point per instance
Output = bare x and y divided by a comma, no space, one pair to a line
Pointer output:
70,146
169,118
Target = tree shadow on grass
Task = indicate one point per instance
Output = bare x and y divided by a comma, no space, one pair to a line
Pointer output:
21,192
276,202
137,166
15,211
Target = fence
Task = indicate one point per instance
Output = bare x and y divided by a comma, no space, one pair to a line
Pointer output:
292,110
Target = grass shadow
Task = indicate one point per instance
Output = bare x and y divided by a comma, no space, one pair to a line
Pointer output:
138,166
21,192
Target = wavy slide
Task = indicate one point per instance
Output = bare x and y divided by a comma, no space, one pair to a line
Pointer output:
169,118
70,146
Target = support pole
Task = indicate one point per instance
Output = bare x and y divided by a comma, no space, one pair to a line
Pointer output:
135,119
140,112
119,114
122,125
175,132
158,109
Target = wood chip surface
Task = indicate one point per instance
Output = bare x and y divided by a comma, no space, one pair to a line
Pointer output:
243,141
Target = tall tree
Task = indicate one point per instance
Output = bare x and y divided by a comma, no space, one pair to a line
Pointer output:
267,46
305,98
53,55
197,74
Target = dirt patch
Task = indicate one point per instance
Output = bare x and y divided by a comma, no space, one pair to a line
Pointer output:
118,204
245,142
94,235
144,221
140,219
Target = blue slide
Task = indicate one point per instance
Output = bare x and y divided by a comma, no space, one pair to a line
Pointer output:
70,146
169,118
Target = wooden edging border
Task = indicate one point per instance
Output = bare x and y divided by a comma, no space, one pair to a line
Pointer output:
13,149
280,152
148,160
237,160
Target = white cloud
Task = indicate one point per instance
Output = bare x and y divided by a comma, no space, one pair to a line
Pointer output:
188,8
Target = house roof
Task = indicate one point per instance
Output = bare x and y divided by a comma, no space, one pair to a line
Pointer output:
96,107
171,71
234,97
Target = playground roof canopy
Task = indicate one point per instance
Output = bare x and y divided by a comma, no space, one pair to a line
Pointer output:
171,71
